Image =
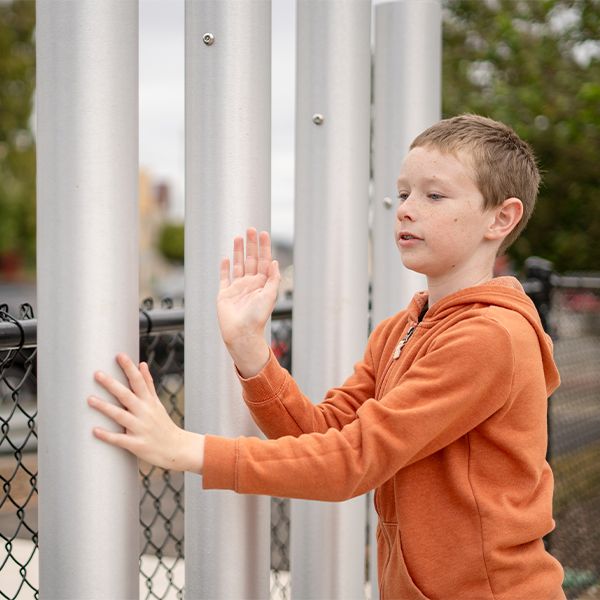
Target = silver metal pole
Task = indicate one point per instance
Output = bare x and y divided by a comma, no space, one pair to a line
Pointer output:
87,269
228,136
330,263
407,100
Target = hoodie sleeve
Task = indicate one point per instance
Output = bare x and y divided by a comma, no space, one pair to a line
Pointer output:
463,379
279,407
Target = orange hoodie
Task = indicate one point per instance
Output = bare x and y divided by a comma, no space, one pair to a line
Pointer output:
446,418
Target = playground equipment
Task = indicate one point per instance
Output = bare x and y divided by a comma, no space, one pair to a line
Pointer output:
87,246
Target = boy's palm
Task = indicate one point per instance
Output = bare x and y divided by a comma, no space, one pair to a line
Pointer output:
245,303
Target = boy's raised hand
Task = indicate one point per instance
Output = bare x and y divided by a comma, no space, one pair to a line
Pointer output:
246,300
148,431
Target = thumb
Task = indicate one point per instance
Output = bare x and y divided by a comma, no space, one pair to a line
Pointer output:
273,279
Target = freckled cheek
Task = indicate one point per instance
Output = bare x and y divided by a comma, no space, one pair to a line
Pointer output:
453,232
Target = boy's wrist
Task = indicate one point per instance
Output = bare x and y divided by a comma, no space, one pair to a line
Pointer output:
250,355
191,452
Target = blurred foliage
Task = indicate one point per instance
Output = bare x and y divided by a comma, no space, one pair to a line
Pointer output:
17,149
171,242
535,65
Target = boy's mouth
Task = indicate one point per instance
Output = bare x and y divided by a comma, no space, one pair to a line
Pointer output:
403,235
407,240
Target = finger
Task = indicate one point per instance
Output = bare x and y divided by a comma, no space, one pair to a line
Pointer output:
238,257
136,382
224,279
121,392
121,440
145,369
117,414
251,252
272,284
264,256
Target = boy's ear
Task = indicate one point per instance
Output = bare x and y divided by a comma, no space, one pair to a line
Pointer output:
506,216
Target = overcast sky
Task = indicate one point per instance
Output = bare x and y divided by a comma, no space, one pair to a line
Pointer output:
162,103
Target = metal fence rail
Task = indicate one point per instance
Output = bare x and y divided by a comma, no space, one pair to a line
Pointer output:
574,420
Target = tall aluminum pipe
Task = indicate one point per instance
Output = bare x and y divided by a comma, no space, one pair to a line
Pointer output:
330,263
228,136
87,285
407,98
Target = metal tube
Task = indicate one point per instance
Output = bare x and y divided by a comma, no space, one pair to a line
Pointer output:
87,269
228,135
407,98
330,263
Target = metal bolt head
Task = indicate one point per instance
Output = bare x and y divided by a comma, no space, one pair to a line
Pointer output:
387,202
318,118
208,39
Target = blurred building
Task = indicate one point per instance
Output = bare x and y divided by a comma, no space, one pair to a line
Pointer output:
154,204
159,277
283,251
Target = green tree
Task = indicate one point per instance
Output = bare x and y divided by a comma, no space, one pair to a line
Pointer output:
171,242
536,66
17,149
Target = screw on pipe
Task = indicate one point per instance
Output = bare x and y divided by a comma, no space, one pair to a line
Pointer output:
208,39
318,119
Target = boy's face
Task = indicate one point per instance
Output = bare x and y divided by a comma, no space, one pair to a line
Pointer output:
440,204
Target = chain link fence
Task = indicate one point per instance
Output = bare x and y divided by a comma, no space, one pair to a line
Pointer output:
162,499
575,437
162,491
574,421
18,461
281,343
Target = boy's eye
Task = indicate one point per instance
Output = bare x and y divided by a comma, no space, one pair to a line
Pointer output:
436,196
402,195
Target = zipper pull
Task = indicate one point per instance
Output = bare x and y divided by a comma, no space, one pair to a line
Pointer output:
403,341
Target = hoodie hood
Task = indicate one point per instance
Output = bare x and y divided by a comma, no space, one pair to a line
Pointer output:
505,292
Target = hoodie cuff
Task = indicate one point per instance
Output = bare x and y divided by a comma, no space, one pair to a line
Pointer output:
219,471
266,384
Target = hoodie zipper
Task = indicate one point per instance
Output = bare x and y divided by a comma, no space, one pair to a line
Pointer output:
397,352
403,342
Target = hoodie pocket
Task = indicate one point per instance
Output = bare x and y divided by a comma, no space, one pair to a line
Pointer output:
395,581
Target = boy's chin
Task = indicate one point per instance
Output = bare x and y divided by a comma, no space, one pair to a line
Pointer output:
413,265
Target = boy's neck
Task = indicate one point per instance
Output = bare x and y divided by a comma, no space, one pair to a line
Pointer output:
440,287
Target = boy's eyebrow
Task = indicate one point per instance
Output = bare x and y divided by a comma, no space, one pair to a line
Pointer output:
427,180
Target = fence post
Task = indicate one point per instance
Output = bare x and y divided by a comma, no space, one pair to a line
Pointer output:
87,285
540,271
407,99
330,263
228,136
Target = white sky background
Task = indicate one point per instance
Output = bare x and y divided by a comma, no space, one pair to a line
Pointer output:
162,104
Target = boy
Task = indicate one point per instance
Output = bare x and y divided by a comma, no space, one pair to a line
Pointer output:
446,414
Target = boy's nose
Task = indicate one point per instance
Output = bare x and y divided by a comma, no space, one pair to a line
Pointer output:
405,210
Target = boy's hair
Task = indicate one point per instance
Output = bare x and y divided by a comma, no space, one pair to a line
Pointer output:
504,165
